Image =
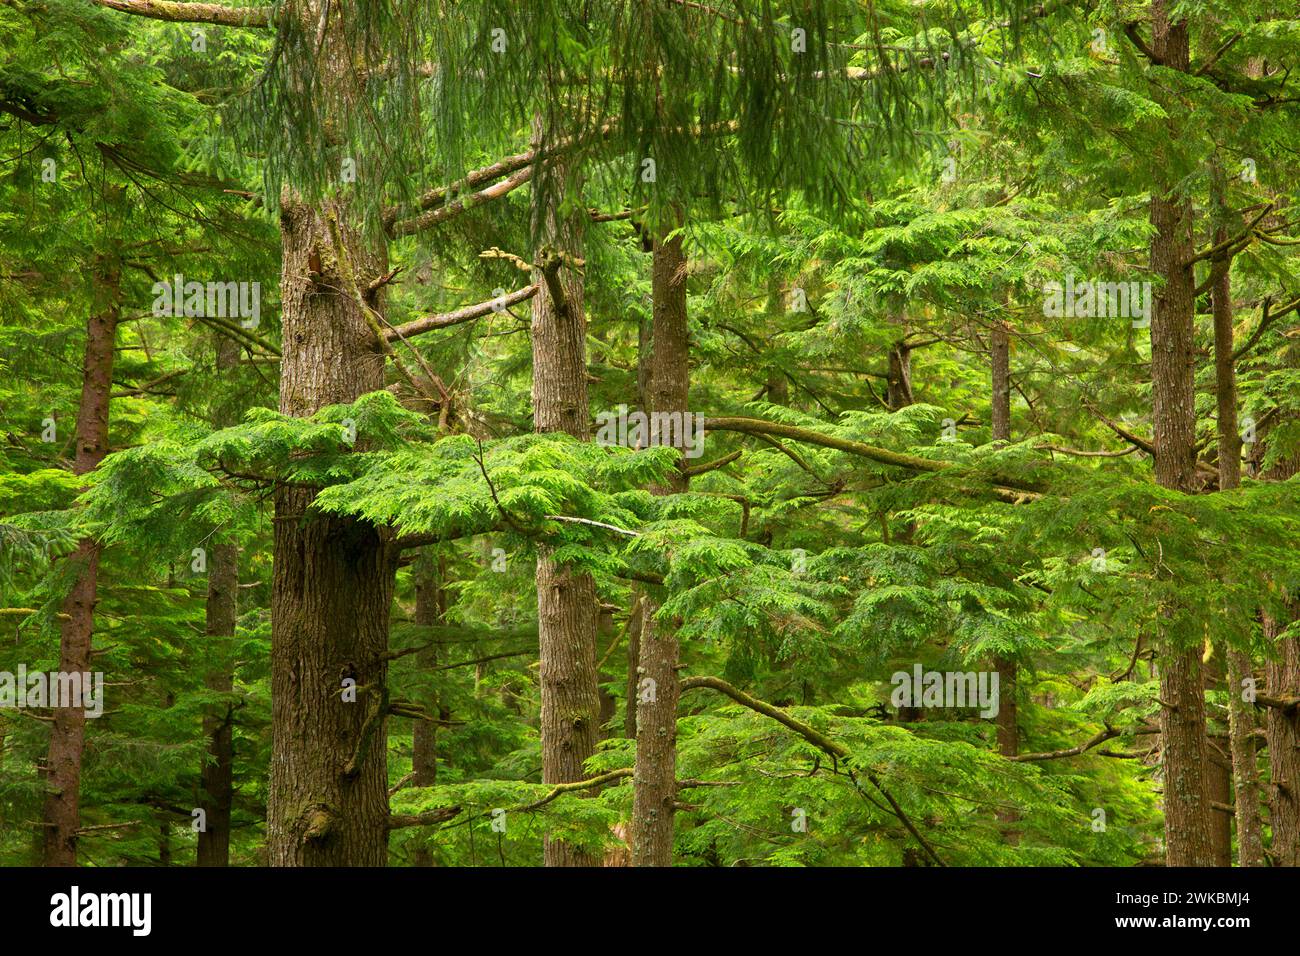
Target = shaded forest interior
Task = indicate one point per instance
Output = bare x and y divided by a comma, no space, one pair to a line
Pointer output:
652,433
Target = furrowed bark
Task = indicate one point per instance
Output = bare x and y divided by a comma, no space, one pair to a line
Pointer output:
1188,839
1282,724
566,597
61,816
333,578
655,787
1241,718
214,13
1282,732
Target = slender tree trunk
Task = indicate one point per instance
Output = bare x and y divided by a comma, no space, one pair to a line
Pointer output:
430,606
217,776
778,386
218,770
898,379
566,597
1218,781
1008,725
1245,764
333,579
1000,364
61,817
1188,839
655,782
1241,717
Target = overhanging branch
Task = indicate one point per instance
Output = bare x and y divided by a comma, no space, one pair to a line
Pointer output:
215,13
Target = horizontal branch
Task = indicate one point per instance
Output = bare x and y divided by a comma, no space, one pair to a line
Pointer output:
690,471
470,312
758,427
1098,738
1284,704
594,524
214,13
443,814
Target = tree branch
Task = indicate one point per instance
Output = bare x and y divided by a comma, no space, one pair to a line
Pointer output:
216,13
467,314
814,737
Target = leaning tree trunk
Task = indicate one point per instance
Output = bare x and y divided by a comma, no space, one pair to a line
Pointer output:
655,779
61,817
1173,356
333,577
566,597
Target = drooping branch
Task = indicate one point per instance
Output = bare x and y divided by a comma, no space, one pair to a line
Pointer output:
517,163
215,13
443,814
814,737
758,427
1100,737
690,471
426,220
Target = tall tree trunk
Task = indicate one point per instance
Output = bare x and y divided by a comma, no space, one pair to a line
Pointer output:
1282,732
217,777
1000,364
566,597
1241,717
1182,715
1282,727
1008,725
430,606
655,780
61,817
333,578
1245,764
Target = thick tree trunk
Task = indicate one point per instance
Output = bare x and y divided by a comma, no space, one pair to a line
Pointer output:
61,817
333,581
1188,839
655,780
566,598
218,770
